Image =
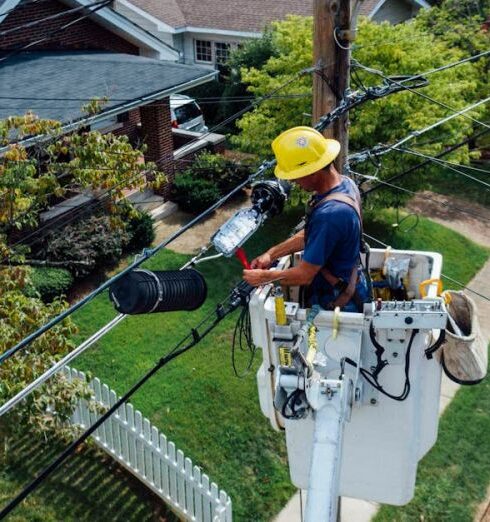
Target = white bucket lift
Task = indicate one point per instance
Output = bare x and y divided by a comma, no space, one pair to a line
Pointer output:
344,435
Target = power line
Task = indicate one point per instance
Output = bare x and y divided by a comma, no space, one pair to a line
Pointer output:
9,404
450,65
447,165
445,162
62,219
50,17
425,96
455,281
379,150
324,121
146,255
201,99
55,32
104,330
450,149
427,198
194,337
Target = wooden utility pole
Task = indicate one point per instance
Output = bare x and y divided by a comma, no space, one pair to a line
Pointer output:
332,61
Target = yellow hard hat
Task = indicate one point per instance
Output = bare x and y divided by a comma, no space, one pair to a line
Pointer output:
302,151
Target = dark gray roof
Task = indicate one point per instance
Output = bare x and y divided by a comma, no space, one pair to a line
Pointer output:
69,79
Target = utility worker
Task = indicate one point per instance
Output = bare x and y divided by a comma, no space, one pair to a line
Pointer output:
331,238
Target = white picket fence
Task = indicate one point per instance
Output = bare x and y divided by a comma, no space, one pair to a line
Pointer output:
147,454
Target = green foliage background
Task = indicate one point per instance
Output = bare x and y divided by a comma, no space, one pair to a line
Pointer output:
408,49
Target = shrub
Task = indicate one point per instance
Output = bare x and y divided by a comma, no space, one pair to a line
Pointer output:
49,283
194,194
140,231
209,177
86,244
216,168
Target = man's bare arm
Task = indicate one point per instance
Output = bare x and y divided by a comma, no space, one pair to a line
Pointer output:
295,243
303,274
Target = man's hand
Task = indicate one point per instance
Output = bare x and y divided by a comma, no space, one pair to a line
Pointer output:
263,261
258,277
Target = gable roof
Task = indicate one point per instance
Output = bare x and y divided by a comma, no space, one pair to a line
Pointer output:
55,85
235,15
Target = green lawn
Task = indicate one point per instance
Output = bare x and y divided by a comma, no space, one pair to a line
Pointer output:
86,488
197,401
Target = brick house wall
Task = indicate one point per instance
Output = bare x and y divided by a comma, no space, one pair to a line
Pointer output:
156,131
84,35
131,128
150,124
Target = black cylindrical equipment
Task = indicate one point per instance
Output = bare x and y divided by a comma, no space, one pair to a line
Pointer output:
270,195
146,292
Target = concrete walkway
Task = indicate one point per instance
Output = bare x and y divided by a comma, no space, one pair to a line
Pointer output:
356,510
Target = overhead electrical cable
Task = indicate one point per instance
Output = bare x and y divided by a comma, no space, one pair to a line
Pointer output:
53,33
450,65
63,220
104,330
22,5
75,125
25,392
50,17
427,198
447,165
445,152
445,162
353,100
200,99
135,264
379,150
99,201
425,96
235,299
147,253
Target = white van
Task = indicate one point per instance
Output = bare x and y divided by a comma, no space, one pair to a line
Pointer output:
186,113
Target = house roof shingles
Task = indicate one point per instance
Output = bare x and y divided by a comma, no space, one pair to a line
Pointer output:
62,76
231,15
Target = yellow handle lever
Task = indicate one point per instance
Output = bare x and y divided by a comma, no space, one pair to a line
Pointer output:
424,284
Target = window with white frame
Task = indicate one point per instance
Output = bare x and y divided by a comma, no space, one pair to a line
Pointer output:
204,51
207,51
221,51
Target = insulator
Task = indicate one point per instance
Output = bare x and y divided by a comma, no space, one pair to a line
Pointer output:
145,292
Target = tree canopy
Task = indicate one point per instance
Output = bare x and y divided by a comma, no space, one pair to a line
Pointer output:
31,180
405,49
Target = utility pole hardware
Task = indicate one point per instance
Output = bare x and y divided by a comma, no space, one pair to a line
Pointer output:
331,58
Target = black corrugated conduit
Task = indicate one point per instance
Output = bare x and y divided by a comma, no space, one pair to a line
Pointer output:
145,292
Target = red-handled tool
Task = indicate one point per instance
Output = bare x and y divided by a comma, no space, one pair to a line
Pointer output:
242,257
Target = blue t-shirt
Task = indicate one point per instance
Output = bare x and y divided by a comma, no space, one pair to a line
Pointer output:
333,235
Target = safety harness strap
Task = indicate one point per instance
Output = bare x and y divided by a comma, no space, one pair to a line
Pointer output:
348,289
